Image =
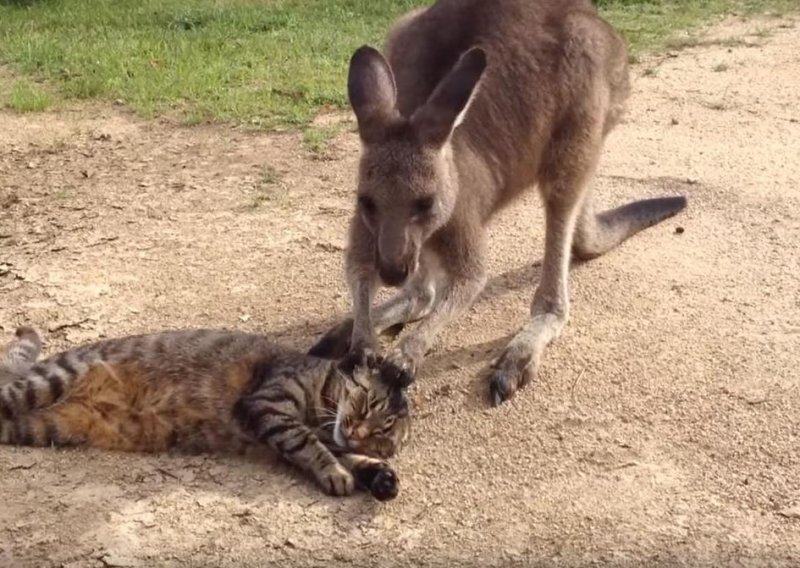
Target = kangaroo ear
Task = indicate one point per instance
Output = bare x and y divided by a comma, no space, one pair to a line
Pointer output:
448,104
372,91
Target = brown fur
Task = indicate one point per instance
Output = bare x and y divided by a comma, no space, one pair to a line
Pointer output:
475,103
209,390
115,407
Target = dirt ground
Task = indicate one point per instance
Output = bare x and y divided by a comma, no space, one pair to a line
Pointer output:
664,428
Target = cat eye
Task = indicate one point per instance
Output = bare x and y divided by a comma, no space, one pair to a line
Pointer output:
389,422
367,204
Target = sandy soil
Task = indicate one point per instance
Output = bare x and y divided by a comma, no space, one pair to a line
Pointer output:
663,431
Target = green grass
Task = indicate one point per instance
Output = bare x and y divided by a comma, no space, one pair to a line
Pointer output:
317,140
652,25
27,97
268,188
262,62
762,33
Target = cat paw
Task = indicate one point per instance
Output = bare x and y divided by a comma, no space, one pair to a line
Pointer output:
398,369
385,486
335,343
379,479
337,481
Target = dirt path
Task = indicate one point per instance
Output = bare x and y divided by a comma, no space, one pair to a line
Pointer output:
664,429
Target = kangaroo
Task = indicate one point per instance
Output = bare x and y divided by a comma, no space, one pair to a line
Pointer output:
474,103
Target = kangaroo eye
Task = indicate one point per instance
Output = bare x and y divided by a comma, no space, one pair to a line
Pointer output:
367,204
423,205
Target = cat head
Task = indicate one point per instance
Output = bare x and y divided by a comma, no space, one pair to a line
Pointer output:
372,415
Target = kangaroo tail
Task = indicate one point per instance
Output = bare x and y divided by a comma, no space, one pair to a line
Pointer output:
597,233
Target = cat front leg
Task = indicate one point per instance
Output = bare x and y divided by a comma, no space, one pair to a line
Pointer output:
265,421
373,475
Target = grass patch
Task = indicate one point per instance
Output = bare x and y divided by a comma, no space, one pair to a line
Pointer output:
687,42
268,189
650,25
317,140
27,97
678,43
62,193
734,42
248,61
265,63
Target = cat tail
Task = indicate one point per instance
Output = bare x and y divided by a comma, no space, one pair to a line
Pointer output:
21,353
29,386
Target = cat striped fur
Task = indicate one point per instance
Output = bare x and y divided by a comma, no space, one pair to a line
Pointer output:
18,354
207,390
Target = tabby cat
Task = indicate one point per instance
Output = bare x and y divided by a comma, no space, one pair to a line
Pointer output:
205,390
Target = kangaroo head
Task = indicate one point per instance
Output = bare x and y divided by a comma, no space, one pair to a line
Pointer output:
407,184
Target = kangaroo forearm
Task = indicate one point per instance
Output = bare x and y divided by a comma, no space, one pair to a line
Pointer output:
457,299
362,280
362,291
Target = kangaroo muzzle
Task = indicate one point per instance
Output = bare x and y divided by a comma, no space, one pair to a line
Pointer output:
395,258
393,275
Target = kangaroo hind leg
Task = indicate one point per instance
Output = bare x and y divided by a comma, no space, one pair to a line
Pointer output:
568,166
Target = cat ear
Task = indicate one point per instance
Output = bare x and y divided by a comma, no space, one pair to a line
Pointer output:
364,362
347,366
395,377
357,369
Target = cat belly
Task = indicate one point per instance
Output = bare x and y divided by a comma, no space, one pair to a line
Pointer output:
125,407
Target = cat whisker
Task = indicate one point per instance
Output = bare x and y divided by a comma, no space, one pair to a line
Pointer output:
330,401
324,412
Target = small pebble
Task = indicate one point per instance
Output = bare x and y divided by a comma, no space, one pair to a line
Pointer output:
679,230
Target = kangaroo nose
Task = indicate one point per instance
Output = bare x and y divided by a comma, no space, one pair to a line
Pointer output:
393,275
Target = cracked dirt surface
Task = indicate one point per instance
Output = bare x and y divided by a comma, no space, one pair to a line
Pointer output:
663,429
